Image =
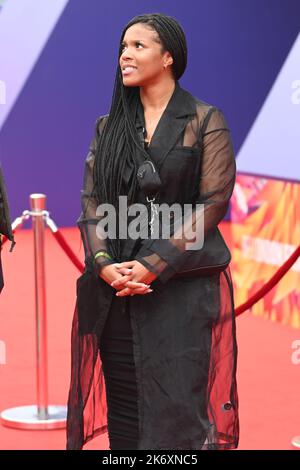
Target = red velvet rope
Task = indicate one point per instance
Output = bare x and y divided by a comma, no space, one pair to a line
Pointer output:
238,311
270,284
68,250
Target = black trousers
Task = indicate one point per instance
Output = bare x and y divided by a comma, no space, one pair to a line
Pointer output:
116,352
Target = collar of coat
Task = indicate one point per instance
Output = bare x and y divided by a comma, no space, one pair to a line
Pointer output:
179,110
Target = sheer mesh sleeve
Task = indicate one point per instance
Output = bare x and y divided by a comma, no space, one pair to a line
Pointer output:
218,170
87,221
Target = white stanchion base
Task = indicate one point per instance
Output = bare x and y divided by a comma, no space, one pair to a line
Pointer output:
26,417
296,442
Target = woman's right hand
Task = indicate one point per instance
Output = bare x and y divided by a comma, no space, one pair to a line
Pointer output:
112,272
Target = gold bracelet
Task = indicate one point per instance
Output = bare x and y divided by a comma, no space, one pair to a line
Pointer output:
102,253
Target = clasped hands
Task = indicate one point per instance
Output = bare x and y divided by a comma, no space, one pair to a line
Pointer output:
129,278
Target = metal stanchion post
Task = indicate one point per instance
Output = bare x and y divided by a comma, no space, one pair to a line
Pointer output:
42,415
38,203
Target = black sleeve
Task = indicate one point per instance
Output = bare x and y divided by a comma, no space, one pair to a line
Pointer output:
88,220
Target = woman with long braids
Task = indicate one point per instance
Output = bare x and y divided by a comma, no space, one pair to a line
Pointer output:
154,348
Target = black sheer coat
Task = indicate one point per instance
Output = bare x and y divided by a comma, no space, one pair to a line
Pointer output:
5,222
184,335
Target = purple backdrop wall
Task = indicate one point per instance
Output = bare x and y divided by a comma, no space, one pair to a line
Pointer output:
235,52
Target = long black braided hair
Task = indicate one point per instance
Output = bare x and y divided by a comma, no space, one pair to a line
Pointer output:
119,140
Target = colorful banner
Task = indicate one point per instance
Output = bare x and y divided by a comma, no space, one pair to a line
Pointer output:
265,232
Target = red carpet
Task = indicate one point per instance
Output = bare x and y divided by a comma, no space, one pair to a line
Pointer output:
268,380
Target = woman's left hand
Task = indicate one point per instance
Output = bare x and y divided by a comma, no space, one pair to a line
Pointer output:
139,274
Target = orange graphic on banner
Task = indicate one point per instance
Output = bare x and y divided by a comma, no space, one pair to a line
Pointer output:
265,231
